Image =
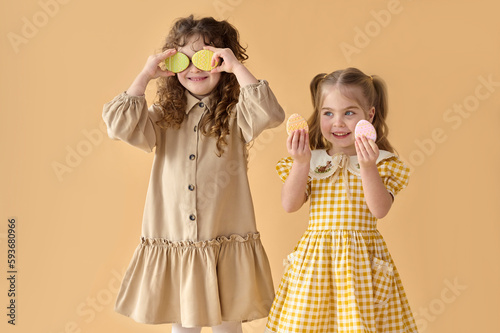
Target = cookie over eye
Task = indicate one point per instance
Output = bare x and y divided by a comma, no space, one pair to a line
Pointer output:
203,59
177,63
296,122
366,129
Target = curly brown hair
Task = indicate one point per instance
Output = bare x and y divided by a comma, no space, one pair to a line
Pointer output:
374,94
171,94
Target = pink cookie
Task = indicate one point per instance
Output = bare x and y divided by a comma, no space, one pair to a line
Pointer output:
296,122
366,129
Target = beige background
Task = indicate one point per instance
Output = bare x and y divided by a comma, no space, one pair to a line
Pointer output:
78,196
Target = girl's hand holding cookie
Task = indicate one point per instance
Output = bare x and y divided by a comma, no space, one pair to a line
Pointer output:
366,148
367,151
298,146
223,60
298,138
152,69
226,61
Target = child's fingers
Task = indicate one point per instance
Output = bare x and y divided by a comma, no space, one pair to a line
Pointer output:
160,58
169,52
298,146
366,149
361,145
217,69
359,152
373,145
224,59
366,144
374,149
304,141
165,54
300,140
215,58
296,140
289,142
155,60
370,146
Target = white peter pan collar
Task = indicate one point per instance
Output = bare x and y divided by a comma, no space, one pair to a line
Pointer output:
323,165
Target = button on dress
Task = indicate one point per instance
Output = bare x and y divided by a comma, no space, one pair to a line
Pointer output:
340,277
200,260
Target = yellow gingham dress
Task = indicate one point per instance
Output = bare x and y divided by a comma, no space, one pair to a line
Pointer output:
341,277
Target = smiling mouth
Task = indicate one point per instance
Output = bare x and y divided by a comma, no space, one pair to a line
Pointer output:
196,79
341,135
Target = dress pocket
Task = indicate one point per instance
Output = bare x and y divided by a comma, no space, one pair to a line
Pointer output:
382,280
289,261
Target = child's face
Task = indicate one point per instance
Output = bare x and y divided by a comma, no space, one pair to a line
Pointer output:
338,118
199,83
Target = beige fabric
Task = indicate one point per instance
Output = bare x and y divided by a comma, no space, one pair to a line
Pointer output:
200,260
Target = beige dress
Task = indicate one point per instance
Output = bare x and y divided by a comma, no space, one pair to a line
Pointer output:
200,260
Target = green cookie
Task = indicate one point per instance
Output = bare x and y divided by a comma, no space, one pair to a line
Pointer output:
177,63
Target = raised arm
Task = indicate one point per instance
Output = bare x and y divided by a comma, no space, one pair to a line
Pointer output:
257,108
377,197
229,64
127,116
150,71
293,193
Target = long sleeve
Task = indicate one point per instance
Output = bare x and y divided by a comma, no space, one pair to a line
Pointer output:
257,110
128,119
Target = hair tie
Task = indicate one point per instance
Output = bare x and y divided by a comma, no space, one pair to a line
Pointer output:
371,77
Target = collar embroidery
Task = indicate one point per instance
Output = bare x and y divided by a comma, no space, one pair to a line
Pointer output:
325,166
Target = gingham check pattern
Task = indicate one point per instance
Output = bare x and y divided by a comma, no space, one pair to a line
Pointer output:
341,277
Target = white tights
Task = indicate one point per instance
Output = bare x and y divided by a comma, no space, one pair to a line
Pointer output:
225,327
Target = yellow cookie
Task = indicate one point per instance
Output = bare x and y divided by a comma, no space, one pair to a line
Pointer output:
296,122
177,63
202,60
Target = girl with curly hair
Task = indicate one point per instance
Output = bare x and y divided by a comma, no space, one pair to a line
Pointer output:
200,261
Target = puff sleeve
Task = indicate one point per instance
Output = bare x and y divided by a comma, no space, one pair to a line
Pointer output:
128,119
257,110
395,174
283,168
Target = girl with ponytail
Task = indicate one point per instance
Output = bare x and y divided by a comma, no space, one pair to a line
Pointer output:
341,277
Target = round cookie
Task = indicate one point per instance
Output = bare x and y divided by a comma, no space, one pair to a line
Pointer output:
366,129
177,63
202,60
296,122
